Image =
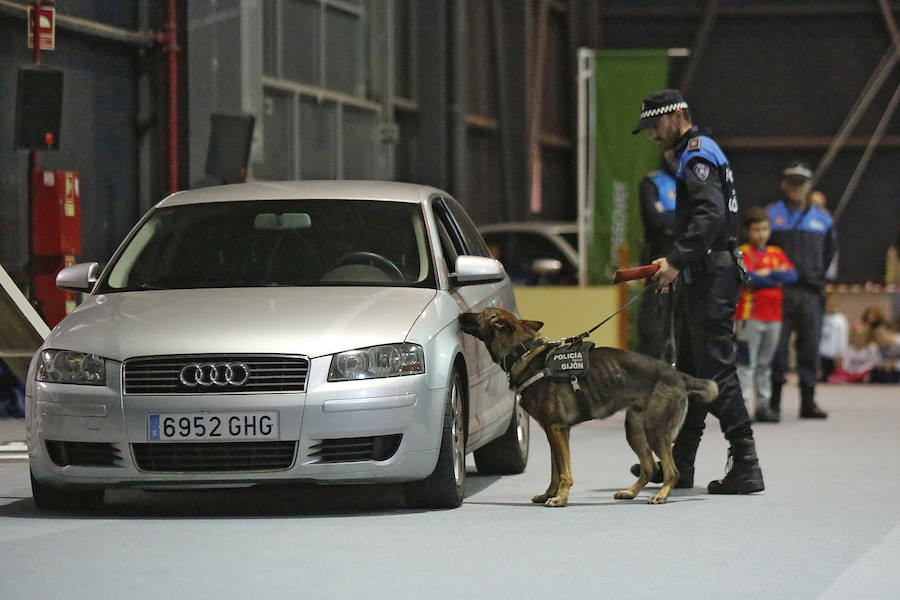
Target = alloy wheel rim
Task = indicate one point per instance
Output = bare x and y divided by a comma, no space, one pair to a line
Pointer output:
456,432
522,429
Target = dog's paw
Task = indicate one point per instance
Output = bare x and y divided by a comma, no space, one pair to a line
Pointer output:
658,499
556,502
540,498
625,495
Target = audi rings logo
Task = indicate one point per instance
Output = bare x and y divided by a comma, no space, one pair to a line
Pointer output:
209,374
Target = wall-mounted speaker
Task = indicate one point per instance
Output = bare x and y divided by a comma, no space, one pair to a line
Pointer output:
38,108
229,147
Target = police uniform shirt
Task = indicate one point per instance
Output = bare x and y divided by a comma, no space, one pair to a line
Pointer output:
657,194
706,208
807,237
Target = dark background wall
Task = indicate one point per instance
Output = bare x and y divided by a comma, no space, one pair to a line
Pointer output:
453,93
100,133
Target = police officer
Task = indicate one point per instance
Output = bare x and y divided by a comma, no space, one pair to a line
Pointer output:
806,234
657,198
708,271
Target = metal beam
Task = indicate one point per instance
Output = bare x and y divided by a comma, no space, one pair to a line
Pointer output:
884,68
87,27
877,136
811,142
677,11
537,96
706,26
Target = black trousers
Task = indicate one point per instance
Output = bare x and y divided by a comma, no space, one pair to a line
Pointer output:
802,310
704,316
653,324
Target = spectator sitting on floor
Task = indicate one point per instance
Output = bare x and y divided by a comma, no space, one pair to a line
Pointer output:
12,394
858,359
835,331
888,341
872,317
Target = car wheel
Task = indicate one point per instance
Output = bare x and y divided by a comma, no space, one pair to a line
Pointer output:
59,498
508,454
445,487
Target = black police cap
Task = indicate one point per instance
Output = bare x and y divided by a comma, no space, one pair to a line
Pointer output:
798,170
657,104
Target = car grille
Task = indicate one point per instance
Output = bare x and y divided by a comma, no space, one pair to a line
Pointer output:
265,373
83,454
380,447
218,456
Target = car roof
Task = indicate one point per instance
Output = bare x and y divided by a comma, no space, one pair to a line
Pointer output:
314,189
546,227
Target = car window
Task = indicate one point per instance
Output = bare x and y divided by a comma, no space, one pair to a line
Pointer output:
452,242
518,251
276,243
572,239
474,244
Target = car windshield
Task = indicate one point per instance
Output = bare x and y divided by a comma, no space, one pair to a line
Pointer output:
275,243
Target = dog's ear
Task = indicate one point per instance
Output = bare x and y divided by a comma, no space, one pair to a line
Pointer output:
536,325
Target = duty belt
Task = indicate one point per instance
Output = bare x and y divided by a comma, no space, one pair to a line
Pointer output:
720,258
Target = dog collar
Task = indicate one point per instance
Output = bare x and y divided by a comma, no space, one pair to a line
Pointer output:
507,362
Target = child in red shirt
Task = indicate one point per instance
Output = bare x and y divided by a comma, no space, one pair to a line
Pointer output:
758,314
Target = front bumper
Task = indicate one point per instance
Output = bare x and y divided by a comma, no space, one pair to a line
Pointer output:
330,412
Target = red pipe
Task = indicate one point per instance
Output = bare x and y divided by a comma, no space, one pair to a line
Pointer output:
171,34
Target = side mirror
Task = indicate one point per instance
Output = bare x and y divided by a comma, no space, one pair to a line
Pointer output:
478,269
78,278
546,266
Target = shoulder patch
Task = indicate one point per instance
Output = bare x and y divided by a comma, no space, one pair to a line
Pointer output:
701,170
693,144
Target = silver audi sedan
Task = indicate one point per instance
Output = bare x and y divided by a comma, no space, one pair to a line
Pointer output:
277,332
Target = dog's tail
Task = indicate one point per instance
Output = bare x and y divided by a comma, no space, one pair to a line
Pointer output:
700,390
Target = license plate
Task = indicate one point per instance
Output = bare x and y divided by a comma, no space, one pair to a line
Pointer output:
256,425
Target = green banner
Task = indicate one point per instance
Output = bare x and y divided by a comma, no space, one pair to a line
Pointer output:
622,78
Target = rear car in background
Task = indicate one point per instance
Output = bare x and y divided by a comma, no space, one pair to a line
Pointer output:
535,252
277,332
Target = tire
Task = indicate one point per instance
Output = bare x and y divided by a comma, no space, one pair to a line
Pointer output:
65,499
445,487
508,454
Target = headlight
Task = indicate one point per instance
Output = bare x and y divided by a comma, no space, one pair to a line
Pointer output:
389,360
65,366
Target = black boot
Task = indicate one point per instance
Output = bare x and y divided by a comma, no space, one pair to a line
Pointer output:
808,407
744,475
775,401
764,414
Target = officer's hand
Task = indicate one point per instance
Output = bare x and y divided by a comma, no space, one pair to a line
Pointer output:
666,274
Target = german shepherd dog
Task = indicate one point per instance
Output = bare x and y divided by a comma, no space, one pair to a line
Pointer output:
653,393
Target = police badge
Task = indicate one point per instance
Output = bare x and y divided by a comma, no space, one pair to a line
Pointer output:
701,170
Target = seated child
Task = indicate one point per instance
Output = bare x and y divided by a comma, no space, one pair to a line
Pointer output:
888,341
859,358
835,330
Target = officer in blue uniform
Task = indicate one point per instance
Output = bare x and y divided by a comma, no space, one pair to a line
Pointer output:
705,262
806,234
657,198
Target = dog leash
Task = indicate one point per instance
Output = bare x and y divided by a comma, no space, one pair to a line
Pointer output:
598,325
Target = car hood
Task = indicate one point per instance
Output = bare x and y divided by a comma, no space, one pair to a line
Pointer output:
311,321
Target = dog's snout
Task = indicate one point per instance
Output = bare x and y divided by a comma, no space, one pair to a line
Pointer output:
469,322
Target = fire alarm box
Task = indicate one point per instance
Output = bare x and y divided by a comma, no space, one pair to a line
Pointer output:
56,213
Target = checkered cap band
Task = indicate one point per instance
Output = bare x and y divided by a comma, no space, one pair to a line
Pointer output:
655,112
797,171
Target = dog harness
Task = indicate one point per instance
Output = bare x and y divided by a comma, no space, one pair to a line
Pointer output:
566,361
